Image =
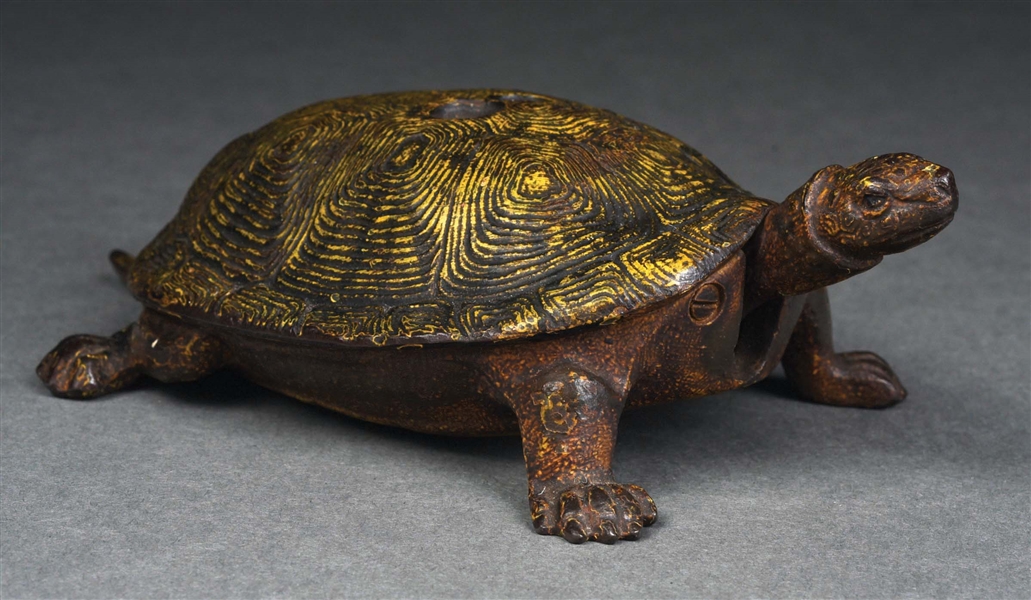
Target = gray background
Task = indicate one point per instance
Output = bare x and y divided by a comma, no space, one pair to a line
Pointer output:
221,489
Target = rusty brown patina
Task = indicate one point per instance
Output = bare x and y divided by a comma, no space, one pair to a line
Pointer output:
485,262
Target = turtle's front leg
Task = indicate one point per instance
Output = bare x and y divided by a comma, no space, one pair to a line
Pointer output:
568,419
87,366
860,379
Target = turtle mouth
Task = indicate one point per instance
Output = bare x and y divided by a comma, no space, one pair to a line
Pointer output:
936,228
919,236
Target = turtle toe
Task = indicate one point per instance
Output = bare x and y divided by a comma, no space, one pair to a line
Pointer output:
873,382
860,379
85,366
603,513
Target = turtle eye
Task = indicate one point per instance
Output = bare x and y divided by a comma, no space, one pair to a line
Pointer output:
874,201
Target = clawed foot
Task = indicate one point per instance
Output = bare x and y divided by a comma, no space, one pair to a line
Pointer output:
860,379
601,513
85,366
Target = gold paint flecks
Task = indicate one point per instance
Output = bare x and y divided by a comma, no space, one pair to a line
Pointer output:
538,217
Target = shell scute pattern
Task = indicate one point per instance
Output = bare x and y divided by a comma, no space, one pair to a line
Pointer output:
441,216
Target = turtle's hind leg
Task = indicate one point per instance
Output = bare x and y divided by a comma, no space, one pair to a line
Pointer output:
87,366
859,379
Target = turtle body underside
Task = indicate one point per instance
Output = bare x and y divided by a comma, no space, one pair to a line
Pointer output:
460,388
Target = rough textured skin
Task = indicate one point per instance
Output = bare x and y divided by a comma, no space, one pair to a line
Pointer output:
438,216
844,220
485,263
85,366
860,379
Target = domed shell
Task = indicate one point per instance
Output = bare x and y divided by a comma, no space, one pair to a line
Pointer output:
442,216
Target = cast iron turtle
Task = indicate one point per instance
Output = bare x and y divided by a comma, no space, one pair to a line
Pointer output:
486,262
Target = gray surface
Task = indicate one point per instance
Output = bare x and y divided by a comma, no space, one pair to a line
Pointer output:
221,489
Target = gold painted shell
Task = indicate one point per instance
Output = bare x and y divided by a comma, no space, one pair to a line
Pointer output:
443,216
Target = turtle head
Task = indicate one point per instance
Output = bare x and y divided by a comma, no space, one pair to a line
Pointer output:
882,205
845,219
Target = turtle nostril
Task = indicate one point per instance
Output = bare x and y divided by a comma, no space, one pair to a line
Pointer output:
945,185
945,181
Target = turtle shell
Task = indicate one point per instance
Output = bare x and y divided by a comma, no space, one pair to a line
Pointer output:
442,216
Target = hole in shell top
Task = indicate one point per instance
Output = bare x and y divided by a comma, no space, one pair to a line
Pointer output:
464,108
518,98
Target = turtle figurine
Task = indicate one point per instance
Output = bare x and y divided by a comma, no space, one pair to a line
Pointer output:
486,262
